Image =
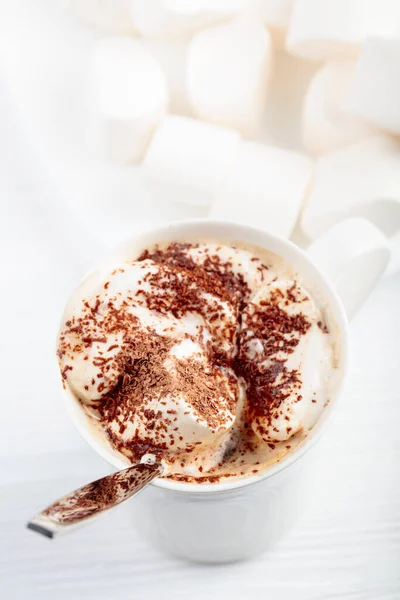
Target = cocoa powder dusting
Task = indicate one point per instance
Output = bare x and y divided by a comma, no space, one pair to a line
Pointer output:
268,380
136,370
145,377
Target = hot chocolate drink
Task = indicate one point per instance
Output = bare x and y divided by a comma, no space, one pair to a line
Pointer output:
216,358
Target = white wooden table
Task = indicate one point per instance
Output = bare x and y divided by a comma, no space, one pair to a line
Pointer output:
347,546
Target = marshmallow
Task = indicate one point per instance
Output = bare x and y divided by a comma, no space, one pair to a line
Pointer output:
171,18
122,312
322,29
217,7
154,20
265,188
113,16
353,254
282,121
171,56
374,92
306,362
361,180
187,160
325,125
228,69
276,16
129,97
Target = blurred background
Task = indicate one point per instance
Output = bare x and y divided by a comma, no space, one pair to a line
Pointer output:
119,115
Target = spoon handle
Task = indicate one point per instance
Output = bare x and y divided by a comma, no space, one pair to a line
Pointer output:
94,498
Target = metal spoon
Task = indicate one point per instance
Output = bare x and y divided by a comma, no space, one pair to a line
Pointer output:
96,497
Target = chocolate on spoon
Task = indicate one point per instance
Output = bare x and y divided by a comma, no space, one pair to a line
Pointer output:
96,497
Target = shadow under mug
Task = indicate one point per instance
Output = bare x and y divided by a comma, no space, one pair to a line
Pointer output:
240,518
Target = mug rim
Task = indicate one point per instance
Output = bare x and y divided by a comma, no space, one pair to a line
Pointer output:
74,407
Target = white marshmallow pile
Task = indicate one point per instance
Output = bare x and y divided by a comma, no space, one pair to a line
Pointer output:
188,160
276,16
112,16
129,97
360,180
326,126
157,19
166,19
266,181
374,91
328,29
228,71
215,65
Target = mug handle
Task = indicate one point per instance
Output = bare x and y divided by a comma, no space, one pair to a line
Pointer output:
353,254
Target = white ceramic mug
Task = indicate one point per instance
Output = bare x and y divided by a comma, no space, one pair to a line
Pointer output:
240,518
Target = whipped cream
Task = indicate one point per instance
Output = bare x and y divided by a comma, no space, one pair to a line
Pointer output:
210,356
280,335
134,297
